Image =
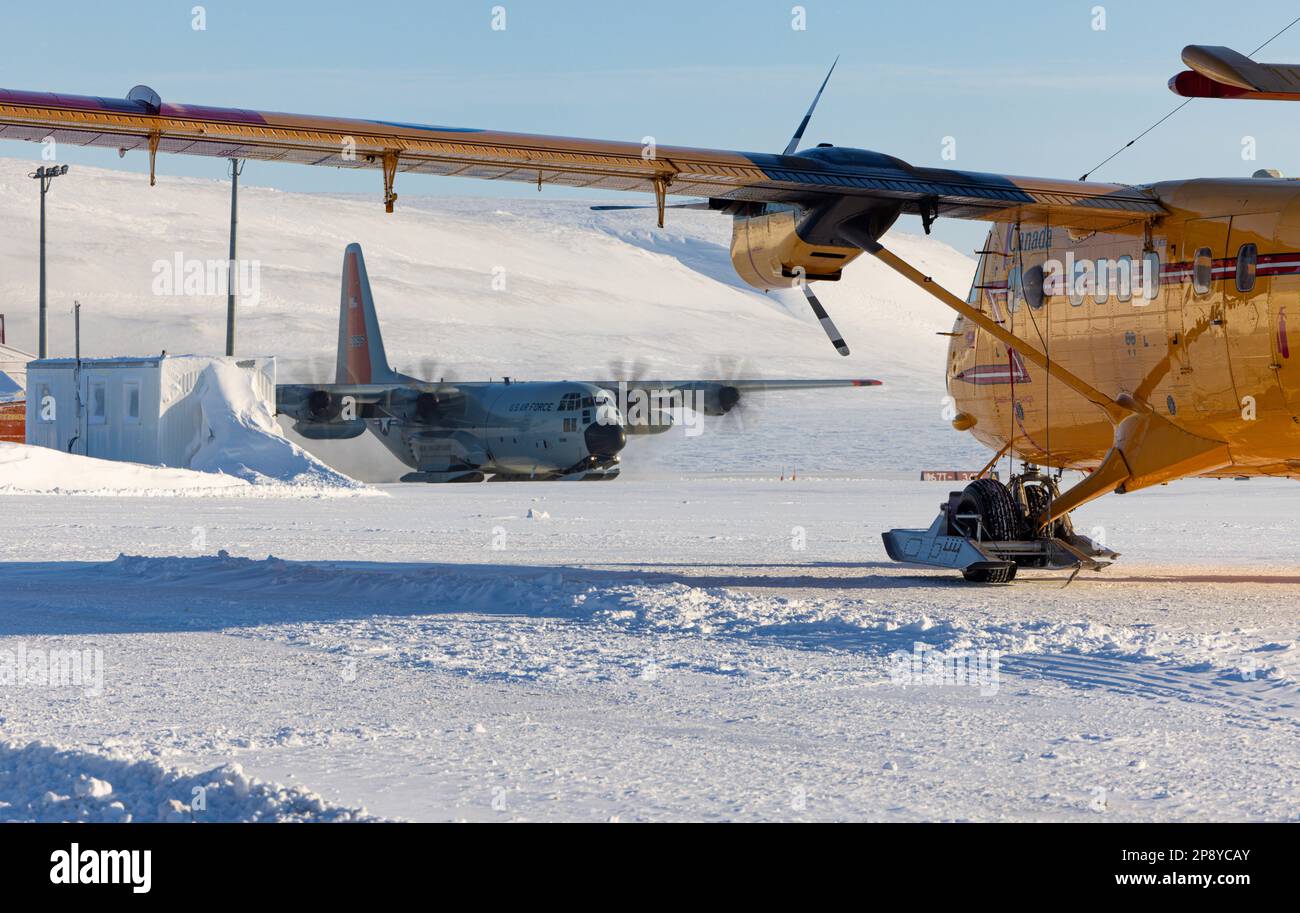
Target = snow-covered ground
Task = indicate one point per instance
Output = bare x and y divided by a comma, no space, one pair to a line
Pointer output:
697,640
659,650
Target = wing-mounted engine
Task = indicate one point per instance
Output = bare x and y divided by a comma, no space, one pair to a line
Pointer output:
714,398
324,413
425,405
769,253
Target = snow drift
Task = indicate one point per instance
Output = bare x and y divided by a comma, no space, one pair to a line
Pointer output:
240,437
41,783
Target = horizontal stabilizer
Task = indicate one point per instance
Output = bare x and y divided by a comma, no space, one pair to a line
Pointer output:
1219,72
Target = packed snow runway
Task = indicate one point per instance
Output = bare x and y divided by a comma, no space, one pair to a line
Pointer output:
648,649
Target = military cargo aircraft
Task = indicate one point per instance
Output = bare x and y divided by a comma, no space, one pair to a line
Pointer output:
1139,334
507,431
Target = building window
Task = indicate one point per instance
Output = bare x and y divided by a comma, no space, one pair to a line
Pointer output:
131,391
1203,271
1247,262
98,404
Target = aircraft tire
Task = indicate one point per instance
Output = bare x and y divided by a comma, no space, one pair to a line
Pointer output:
996,508
990,575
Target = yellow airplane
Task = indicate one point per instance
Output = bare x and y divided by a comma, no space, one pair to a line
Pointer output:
1136,333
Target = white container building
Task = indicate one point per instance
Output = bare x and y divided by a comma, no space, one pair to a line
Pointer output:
140,410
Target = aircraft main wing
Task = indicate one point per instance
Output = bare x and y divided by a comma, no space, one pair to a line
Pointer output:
361,394
1219,72
142,121
742,385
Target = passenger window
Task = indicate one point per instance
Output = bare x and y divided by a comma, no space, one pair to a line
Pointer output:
1032,287
1203,271
1247,262
1152,275
1101,286
1084,275
1124,279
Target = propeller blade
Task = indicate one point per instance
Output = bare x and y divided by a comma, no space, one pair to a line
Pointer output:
429,371
746,405
827,324
793,145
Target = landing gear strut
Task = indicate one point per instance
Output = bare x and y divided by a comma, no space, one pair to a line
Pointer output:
989,531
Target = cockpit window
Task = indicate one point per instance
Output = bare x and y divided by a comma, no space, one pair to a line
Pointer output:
569,403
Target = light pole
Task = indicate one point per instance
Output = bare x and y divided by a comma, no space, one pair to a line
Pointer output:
46,176
232,270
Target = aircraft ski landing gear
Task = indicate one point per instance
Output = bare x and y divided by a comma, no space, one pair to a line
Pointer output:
986,511
987,531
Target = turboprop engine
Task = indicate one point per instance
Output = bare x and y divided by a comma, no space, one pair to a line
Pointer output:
320,415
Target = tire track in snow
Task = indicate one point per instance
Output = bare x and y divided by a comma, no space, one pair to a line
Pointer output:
1259,702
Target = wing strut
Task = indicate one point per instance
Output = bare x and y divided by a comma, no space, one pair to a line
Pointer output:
390,175
1115,410
1147,450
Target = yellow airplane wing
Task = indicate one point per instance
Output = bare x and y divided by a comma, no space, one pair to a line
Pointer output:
142,121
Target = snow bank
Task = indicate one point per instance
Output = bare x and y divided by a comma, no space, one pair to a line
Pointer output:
39,471
872,628
41,783
240,437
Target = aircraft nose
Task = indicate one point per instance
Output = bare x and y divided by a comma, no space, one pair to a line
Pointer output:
605,439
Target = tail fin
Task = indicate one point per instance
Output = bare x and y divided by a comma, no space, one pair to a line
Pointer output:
361,358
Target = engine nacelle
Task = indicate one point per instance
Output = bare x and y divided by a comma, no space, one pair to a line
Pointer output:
719,399
320,415
768,253
330,431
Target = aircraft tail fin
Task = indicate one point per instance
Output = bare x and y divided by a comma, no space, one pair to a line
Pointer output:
361,357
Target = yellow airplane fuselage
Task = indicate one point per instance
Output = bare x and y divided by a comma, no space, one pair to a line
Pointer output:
1211,346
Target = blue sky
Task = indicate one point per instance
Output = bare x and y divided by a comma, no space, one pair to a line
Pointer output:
1023,88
